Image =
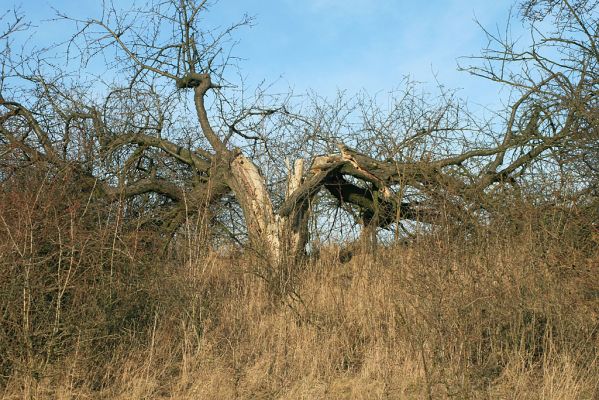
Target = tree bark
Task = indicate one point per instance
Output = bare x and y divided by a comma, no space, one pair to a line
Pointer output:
278,239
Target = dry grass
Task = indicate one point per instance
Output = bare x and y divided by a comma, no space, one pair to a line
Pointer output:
511,313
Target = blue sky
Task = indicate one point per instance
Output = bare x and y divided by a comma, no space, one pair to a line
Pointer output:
326,45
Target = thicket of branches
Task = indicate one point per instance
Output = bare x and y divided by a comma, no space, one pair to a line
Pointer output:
138,176
163,128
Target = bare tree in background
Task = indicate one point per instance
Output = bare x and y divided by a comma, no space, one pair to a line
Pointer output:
555,76
169,133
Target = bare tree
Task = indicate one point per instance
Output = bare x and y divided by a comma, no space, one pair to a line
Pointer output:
170,133
554,75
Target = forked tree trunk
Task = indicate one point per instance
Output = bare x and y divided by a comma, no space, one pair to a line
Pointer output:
279,240
275,238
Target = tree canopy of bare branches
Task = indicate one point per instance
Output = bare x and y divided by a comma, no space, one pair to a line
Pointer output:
164,128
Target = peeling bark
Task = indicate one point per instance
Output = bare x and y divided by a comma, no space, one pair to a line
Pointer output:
278,238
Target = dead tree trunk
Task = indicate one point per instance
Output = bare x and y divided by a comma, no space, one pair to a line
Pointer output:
277,239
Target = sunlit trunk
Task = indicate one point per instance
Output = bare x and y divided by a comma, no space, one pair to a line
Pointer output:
278,240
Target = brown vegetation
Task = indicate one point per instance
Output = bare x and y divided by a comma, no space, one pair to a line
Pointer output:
90,311
158,240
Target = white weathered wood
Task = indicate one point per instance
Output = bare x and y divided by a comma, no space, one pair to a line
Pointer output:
295,176
273,235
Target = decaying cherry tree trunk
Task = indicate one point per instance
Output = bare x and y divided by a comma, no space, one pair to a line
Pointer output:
277,239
